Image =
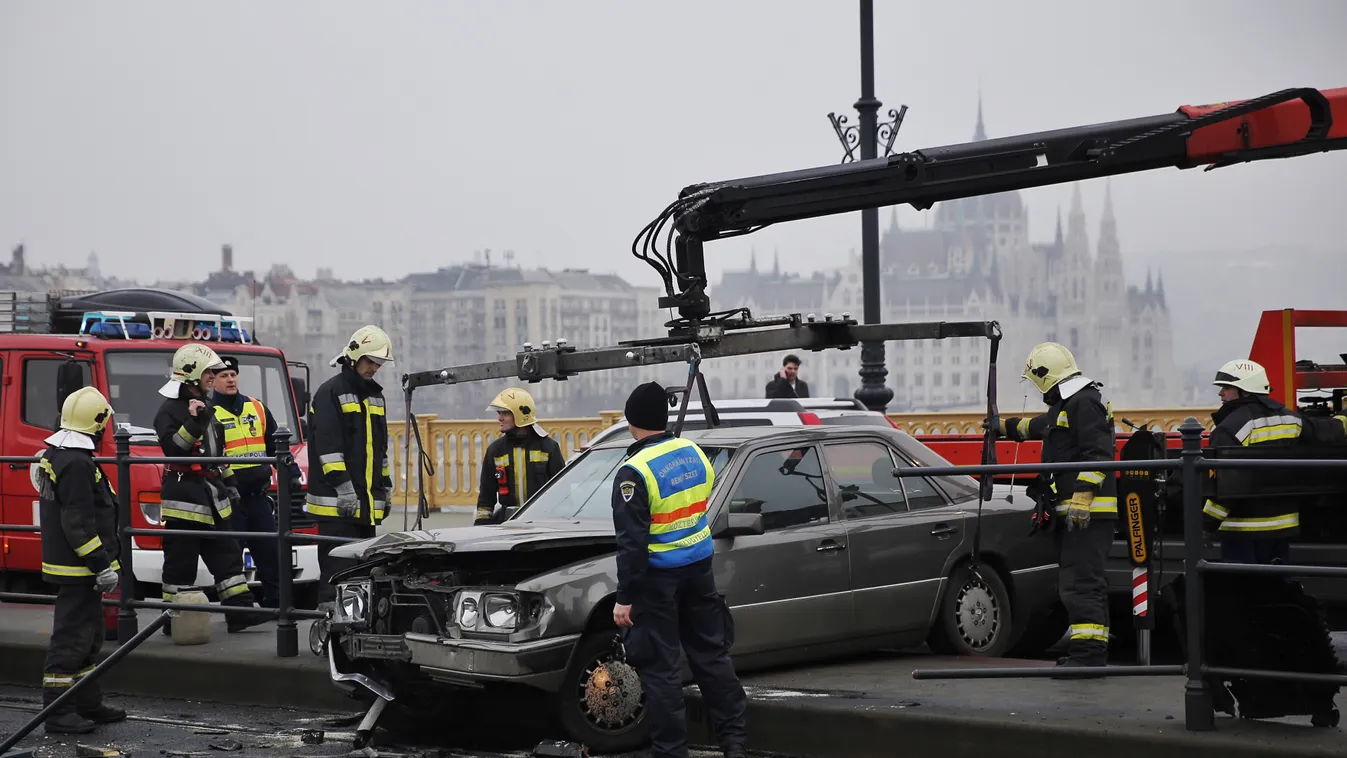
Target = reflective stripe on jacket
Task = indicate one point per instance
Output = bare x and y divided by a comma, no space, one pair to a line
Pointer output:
79,517
1076,430
678,480
198,495
348,447
1247,421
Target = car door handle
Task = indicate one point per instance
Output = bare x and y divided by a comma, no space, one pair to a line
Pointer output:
828,545
943,530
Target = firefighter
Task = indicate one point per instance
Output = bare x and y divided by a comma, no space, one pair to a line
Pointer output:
198,497
1077,428
666,588
349,480
79,556
520,461
250,432
1259,530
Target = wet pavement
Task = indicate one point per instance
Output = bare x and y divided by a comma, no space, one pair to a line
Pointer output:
193,729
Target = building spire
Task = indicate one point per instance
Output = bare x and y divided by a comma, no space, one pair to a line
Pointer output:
980,131
1150,285
1059,226
753,260
1160,286
776,262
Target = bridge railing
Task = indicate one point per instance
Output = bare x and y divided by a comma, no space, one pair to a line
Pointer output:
455,447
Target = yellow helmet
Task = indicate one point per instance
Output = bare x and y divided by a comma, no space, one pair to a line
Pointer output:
368,342
1245,375
1048,364
85,411
517,402
189,363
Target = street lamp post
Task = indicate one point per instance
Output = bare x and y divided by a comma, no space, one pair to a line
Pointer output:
872,393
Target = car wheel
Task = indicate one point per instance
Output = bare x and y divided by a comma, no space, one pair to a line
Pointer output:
601,703
974,614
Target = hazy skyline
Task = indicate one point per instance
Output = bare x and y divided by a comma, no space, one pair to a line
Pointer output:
383,139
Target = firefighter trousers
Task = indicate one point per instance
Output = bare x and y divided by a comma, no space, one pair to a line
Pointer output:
327,565
1255,550
76,638
254,514
223,558
1083,586
681,608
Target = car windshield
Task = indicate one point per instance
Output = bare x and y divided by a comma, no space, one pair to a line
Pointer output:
135,376
584,489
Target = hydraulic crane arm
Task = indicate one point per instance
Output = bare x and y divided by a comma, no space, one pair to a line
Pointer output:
1284,124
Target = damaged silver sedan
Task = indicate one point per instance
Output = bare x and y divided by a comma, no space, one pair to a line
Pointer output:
819,549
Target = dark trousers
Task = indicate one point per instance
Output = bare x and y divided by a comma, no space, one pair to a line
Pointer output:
1083,586
76,638
327,565
681,608
223,559
254,514
1246,550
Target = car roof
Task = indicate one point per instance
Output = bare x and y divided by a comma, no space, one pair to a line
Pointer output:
739,435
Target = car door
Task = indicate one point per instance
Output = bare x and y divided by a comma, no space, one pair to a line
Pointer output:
32,413
789,586
900,533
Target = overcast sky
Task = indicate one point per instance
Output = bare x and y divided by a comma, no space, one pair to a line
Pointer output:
381,138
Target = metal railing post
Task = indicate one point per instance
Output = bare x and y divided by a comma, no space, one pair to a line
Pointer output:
127,621
287,634
1198,711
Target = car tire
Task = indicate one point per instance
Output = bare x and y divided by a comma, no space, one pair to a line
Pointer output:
975,617
588,689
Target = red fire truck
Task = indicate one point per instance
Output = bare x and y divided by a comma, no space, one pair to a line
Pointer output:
121,342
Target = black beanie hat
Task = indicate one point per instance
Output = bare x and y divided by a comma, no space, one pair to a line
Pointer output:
648,408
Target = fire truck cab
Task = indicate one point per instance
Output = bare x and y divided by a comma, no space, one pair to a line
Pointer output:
122,342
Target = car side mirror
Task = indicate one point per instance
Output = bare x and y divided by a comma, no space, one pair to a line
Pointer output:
737,525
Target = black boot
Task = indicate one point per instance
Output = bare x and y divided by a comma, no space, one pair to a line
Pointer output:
69,723
237,622
103,714
734,751
1078,668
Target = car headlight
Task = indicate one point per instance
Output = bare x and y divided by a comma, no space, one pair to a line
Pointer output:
352,601
467,613
501,611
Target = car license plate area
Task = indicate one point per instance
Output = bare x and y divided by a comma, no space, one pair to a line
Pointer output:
249,564
378,646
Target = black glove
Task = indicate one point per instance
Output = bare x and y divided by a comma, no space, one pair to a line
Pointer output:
234,497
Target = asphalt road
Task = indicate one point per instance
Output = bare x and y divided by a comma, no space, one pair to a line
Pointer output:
190,729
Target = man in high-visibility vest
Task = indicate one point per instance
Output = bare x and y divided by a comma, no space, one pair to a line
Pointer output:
666,589
250,432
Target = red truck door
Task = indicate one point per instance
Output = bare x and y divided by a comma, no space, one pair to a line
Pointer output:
30,414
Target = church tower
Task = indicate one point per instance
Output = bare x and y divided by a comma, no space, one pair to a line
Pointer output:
1110,305
1074,285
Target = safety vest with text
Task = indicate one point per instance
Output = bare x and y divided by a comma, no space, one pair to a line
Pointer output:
245,434
678,480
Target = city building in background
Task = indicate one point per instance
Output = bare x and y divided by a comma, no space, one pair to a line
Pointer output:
975,262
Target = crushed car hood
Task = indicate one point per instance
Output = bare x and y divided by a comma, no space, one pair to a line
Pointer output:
517,536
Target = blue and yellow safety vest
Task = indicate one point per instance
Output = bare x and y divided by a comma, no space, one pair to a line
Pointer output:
678,480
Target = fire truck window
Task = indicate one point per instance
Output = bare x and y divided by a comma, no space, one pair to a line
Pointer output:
40,406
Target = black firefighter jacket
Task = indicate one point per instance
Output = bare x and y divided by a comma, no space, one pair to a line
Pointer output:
348,447
1260,420
517,464
196,494
79,517
1077,429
